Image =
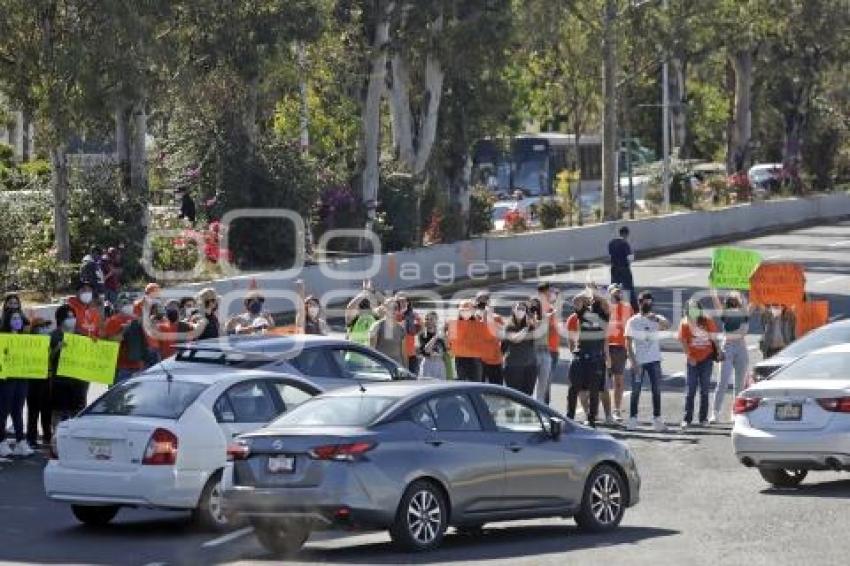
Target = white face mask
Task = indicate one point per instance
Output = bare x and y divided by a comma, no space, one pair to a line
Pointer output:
776,311
127,309
69,324
86,298
313,311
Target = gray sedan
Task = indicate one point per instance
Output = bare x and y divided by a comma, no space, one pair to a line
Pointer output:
416,458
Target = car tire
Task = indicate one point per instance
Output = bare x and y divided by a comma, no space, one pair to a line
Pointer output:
280,537
94,515
421,519
209,515
604,501
783,478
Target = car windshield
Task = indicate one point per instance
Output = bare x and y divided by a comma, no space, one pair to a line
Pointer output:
531,175
146,398
336,411
827,336
832,365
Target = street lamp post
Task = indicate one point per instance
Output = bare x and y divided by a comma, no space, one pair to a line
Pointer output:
665,126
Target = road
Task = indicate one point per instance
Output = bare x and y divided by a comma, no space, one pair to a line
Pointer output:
699,506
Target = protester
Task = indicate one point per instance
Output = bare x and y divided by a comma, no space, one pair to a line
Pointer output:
540,321
308,315
67,395
172,330
13,391
124,327
38,397
152,295
550,297
188,309
387,335
615,346
412,324
206,321
622,257
252,318
643,347
113,269
91,270
432,347
12,304
586,332
490,345
735,322
520,356
698,336
87,312
464,335
359,317
779,329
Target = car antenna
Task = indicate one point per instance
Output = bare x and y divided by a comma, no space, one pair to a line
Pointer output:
360,385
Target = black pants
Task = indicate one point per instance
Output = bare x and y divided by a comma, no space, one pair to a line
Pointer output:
413,365
623,276
521,378
492,373
38,409
587,373
468,369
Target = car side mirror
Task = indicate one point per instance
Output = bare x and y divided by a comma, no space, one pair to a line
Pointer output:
402,374
556,428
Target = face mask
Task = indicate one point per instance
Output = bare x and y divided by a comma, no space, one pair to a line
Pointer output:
694,313
127,309
173,315
482,305
255,307
646,307
70,324
313,311
776,311
85,298
16,324
616,297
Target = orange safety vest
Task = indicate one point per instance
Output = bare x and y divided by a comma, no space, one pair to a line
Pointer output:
464,338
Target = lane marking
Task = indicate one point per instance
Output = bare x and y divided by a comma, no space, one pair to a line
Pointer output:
676,277
834,317
839,243
230,537
774,256
829,280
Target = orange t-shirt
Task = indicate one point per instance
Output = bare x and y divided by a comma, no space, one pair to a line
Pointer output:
554,335
113,326
619,316
410,339
88,318
490,343
464,338
698,339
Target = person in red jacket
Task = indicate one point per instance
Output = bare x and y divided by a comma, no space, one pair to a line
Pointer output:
464,340
88,313
116,329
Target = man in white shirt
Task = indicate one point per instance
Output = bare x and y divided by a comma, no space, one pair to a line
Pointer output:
643,345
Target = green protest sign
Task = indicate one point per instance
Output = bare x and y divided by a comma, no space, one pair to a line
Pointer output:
87,359
24,355
731,268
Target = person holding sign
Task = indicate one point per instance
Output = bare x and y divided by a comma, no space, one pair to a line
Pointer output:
735,320
13,394
38,395
67,395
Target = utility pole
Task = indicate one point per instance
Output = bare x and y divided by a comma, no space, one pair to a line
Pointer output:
665,125
609,116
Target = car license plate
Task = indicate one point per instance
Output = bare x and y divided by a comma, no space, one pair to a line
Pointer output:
789,411
281,464
100,449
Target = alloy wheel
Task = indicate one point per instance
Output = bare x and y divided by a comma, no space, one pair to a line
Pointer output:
606,499
424,517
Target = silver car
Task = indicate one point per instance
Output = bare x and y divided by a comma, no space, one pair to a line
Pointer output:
416,458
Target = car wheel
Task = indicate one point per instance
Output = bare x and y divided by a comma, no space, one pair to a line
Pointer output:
422,518
280,537
94,516
209,514
783,478
604,501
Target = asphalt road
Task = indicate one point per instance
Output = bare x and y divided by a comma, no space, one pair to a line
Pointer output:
699,506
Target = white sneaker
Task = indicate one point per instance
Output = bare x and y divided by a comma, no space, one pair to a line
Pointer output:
22,449
685,425
712,419
617,416
658,425
631,423
5,450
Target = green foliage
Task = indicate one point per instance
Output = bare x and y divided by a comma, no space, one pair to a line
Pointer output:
396,215
551,214
481,203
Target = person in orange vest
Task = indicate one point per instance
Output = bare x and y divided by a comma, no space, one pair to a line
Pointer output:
412,324
492,359
552,301
464,336
87,312
615,346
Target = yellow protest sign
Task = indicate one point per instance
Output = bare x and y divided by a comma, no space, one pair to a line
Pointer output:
87,359
24,355
731,268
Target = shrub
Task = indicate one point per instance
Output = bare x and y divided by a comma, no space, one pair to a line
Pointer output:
550,213
397,215
516,222
481,202
338,208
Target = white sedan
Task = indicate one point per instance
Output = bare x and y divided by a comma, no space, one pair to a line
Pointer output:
797,420
160,441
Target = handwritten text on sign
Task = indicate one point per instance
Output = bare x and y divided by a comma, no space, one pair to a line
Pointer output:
87,359
24,355
731,268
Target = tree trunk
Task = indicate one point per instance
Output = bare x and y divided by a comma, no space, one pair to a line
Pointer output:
609,115
434,76
679,109
122,145
742,64
372,113
794,122
62,233
26,135
400,112
138,155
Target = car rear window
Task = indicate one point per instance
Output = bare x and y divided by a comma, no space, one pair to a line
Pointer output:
833,365
158,399
239,360
336,411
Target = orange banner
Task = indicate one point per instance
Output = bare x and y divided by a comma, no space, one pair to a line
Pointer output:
811,315
778,284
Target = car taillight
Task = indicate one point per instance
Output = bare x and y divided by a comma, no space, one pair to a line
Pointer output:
161,449
745,405
343,452
837,405
238,451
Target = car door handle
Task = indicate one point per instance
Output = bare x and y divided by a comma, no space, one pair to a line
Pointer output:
435,443
514,447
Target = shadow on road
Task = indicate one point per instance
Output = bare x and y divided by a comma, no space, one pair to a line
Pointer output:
495,543
839,489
